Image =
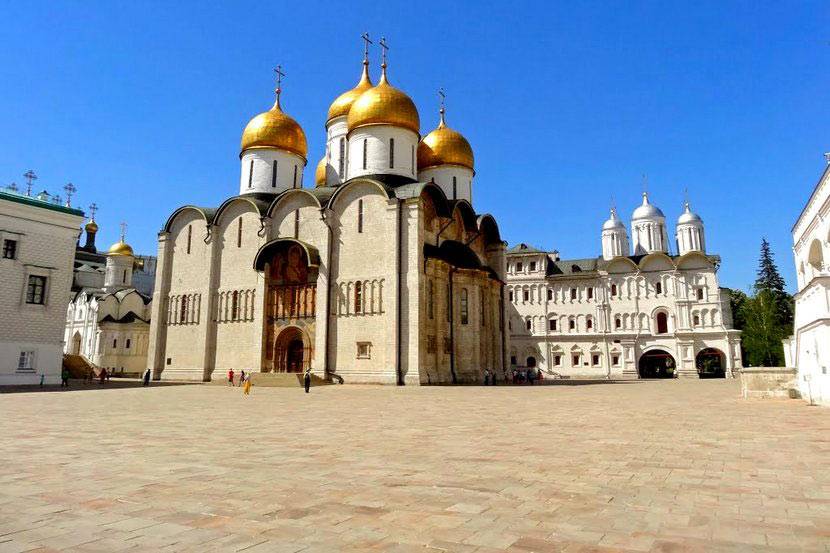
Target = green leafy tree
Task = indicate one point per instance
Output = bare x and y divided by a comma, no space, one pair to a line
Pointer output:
737,299
763,332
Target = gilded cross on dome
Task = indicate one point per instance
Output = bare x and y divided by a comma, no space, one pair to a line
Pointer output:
384,48
93,207
280,75
367,42
123,226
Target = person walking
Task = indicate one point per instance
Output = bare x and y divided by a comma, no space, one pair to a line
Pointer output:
230,377
64,378
42,376
247,383
486,377
307,379
146,378
241,378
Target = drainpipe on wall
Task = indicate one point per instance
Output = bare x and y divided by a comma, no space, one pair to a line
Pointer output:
399,303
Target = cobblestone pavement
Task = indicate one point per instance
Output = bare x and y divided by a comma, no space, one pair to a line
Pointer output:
639,466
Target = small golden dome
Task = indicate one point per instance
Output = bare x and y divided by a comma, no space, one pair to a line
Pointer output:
320,173
91,226
445,146
384,105
275,129
343,103
121,248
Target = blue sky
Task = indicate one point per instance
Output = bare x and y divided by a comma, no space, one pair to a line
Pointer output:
141,105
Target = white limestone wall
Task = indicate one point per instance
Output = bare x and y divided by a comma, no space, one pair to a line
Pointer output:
649,236
184,355
337,151
378,141
371,258
238,341
45,247
454,180
257,171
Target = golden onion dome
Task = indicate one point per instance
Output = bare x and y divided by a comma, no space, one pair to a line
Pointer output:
91,226
275,129
384,105
444,146
343,103
320,173
121,248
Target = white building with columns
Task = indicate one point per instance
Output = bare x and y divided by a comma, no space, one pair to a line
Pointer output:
382,272
623,314
109,326
808,349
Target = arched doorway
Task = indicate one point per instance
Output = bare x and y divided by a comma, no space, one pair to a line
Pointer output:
76,344
711,363
657,363
292,353
531,362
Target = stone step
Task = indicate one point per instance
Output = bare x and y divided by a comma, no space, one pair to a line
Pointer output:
274,380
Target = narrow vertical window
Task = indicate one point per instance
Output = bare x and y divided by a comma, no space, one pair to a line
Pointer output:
296,223
465,315
342,161
482,309
124,277
295,177
182,310
251,174
360,216
365,149
235,306
454,188
449,304
189,236
391,153
358,297
127,345
239,233
412,158
430,300
274,174
115,343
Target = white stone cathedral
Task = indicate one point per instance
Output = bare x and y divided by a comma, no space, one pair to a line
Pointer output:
636,311
383,272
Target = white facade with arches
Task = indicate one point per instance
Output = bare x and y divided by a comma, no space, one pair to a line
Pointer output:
608,316
808,349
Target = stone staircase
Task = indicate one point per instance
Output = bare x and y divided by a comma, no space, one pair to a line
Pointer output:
270,380
78,365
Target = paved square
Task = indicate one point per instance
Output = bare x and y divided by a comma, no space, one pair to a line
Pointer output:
639,466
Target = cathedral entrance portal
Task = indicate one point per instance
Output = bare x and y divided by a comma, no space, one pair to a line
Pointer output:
291,352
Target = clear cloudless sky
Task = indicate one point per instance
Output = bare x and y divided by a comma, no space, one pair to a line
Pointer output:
567,104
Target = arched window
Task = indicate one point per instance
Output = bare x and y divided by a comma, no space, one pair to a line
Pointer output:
342,160
613,290
358,297
552,324
662,323
454,188
465,314
239,233
251,174
617,322
183,310
360,216
274,174
296,223
589,323
189,236
529,325
365,150
391,153
235,306
124,277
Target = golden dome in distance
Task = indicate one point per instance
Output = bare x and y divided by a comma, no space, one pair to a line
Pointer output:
384,105
343,103
320,173
444,146
91,226
275,129
121,248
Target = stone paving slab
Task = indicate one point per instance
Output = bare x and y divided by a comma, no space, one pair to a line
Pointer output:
674,466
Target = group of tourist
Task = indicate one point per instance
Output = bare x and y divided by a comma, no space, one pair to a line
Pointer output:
528,375
245,380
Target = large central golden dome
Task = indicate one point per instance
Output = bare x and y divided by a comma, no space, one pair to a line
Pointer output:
384,105
445,146
275,129
343,103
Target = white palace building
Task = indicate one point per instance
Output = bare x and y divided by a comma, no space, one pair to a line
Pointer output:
632,312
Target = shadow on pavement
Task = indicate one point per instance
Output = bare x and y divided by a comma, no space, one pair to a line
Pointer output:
78,385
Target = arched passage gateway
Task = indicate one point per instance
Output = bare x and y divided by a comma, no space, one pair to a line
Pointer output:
711,363
657,363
